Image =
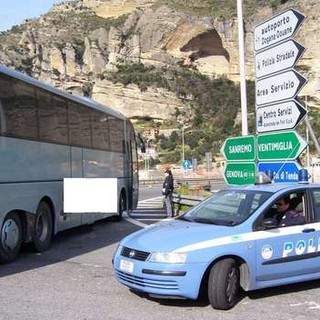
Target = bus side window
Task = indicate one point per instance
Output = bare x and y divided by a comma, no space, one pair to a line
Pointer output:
79,125
20,112
100,131
52,118
6,97
116,134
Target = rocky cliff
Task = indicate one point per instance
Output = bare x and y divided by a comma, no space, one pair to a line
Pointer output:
77,42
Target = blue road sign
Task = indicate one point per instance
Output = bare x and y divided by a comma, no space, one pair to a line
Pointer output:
282,171
186,164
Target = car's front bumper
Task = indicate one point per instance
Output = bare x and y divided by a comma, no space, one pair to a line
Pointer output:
159,279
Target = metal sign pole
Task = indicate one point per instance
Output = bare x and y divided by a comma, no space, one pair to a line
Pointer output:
244,115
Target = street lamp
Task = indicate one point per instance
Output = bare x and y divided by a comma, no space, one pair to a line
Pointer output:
182,144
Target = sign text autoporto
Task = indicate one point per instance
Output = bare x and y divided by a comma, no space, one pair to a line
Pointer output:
277,29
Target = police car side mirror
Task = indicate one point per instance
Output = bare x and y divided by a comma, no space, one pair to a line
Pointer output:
270,223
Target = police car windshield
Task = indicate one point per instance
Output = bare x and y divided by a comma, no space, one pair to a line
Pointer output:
228,207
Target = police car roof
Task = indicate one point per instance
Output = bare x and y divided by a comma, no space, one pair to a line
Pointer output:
275,187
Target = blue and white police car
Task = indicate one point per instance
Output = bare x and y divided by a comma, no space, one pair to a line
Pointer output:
232,241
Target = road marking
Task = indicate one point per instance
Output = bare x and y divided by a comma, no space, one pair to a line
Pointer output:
147,210
133,221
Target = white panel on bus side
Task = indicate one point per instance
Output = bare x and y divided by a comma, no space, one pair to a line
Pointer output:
90,195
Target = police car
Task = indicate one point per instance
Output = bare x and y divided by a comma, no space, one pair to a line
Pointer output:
232,241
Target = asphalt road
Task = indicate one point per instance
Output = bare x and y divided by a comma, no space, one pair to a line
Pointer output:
74,280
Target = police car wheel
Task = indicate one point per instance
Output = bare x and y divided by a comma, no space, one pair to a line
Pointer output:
223,285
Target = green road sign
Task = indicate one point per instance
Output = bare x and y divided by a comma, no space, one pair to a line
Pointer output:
239,173
286,145
239,149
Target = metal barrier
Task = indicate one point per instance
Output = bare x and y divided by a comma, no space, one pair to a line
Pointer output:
190,181
189,201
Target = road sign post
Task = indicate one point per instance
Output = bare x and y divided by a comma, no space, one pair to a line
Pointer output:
277,85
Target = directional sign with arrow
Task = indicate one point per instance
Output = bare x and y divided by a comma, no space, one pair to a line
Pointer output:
277,29
279,87
278,58
282,171
240,173
239,148
283,116
286,145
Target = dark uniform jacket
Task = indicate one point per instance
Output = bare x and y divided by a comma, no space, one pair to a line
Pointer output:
167,185
291,218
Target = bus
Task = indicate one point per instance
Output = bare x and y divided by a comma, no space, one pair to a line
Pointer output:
56,149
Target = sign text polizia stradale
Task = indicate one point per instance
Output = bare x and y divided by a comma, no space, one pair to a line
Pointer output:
278,58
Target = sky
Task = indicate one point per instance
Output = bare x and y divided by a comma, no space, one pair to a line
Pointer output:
14,12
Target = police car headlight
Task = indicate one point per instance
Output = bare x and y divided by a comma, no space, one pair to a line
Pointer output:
168,257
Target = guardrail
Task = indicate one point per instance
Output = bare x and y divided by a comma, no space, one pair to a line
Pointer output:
190,181
186,200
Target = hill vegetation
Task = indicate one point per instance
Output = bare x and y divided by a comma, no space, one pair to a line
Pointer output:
221,8
213,105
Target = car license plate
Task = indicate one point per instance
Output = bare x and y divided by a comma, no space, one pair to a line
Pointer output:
126,266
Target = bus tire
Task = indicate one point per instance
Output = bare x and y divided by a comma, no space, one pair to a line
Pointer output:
10,237
43,226
223,286
122,206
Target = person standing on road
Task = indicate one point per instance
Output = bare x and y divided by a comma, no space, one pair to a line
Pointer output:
167,191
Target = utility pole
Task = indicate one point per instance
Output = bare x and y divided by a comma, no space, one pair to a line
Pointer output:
244,114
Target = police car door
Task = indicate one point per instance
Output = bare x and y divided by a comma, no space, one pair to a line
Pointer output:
286,254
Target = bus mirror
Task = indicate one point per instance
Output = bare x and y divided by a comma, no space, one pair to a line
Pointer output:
142,147
141,143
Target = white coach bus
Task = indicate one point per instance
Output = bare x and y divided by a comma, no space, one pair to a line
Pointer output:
65,161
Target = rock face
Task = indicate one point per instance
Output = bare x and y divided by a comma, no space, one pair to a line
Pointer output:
154,103
73,56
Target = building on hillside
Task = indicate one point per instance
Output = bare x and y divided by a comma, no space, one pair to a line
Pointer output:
167,132
151,132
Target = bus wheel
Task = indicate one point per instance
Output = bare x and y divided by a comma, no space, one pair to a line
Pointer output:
122,206
43,228
10,237
223,286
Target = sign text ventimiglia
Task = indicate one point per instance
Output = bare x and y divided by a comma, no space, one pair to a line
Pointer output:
285,145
